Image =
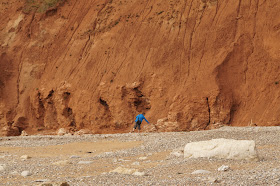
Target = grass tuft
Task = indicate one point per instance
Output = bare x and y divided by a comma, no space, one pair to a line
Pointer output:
40,6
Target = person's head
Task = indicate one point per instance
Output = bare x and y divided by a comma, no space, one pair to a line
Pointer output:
143,113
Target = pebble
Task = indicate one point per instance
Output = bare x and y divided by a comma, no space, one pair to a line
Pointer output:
25,157
2,167
24,133
14,173
25,173
213,180
135,163
74,156
143,158
84,162
223,168
201,172
61,132
138,173
62,162
43,180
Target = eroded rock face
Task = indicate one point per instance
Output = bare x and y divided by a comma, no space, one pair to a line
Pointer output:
196,63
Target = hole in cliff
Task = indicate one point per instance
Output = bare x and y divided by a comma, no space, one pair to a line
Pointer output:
137,102
138,92
66,95
50,94
72,124
51,12
209,116
41,104
21,124
103,102
233,109
67,112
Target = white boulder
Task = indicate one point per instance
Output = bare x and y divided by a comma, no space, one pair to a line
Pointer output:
222,149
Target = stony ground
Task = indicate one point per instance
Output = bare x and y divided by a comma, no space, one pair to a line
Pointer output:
147,159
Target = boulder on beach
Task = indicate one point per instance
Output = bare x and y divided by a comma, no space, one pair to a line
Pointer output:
222,149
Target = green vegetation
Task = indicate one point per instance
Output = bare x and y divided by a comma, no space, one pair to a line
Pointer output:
40,6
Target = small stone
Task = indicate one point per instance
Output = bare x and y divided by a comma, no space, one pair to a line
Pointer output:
24,133
201,172
61,132
2,167
14,173
43,180
64,184
142,158
84,162
136,173
82,132
115,160
25,173
177,153
122,170
213,180
135,163
25,157
223,168
63,162
74,156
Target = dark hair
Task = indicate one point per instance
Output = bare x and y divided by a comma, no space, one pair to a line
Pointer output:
143,113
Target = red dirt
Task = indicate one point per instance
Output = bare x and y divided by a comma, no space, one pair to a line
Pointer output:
97,64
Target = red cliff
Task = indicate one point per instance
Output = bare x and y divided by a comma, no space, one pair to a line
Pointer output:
190,65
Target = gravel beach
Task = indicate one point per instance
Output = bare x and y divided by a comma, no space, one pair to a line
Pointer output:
136,159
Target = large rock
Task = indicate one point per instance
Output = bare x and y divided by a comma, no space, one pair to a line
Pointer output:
222,148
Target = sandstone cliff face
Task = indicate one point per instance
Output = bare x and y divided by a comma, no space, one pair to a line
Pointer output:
96,64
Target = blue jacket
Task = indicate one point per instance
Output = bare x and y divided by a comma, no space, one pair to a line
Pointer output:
140,117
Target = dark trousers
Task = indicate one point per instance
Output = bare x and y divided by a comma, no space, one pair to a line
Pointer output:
137,124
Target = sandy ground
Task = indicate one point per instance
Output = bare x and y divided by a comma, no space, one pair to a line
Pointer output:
90,159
